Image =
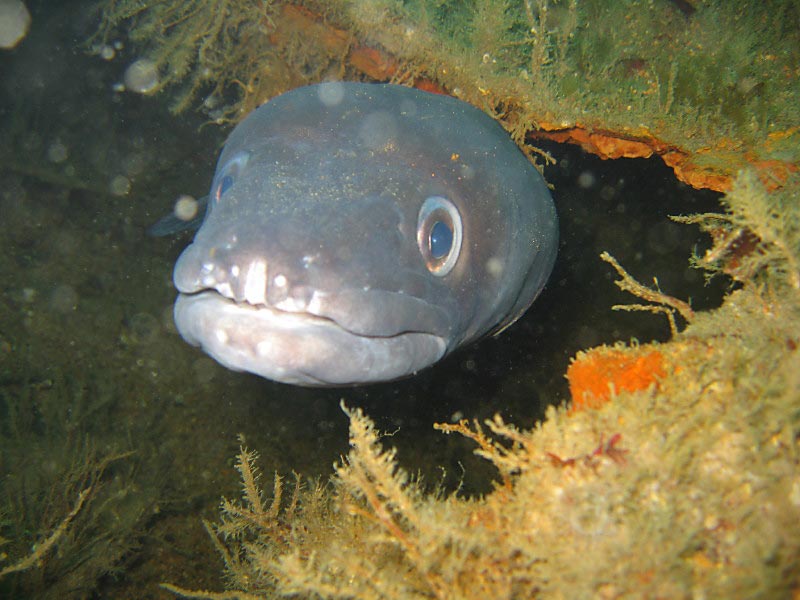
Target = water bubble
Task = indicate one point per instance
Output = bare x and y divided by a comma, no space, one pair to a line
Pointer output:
495,267
586,180
608,192
141,76
211,102
378,130
14,22
331,93
107,52
120,185
664,238
57,152
185,208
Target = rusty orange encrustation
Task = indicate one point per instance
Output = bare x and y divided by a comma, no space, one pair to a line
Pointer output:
608,144
599,374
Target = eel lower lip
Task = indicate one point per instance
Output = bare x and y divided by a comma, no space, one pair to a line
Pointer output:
298,348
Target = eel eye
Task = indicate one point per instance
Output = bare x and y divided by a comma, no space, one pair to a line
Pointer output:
226,176
439,234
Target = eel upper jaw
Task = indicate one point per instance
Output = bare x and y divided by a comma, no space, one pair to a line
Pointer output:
296,346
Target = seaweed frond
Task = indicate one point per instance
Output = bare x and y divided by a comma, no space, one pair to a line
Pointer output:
252,510
253,532
759,235
374,475
509,460
388,497
206,46
39,551
659,301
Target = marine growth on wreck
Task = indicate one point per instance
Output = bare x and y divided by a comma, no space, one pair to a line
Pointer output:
670,469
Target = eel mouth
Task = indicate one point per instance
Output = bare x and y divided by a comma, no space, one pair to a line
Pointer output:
298,347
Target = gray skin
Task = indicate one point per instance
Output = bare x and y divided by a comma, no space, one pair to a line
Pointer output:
309,267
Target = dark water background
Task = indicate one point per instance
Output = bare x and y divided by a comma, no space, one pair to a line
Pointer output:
97,388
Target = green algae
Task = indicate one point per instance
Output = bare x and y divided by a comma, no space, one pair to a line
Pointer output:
730,70
69,511
198,44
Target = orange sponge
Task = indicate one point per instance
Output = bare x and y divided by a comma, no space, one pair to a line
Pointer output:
597,375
